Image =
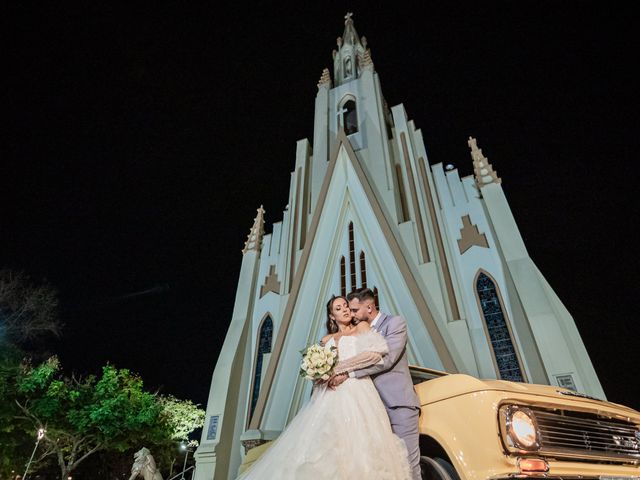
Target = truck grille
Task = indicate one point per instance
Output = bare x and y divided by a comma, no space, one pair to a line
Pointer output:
583,434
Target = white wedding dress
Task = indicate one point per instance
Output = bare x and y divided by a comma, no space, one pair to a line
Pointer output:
340,434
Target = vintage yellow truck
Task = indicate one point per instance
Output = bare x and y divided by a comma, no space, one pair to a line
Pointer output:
473,429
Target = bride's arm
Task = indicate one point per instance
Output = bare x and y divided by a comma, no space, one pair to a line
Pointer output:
357,362
373,347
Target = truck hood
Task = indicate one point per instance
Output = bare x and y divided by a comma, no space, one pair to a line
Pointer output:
454,385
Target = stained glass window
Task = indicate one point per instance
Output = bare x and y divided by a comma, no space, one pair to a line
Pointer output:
343,277
363,270
352,257
501,343
264,347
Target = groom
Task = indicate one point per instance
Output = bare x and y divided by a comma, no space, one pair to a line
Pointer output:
391,376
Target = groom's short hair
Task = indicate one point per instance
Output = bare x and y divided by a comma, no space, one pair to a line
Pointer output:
362,294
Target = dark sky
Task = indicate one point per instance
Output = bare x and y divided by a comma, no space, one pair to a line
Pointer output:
139,142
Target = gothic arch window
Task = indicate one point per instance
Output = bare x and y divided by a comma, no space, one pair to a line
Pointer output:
502,343
352,257
363,270
343,277
348,67
348,115
375,297
265,337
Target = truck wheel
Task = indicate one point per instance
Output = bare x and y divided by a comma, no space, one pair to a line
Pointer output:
437,469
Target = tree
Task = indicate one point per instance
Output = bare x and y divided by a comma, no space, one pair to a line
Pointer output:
183,416
27,310
109,413
88,415
14,442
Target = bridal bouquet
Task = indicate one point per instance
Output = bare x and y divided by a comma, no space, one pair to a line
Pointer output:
318,362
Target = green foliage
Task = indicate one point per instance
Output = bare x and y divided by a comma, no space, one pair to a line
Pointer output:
82,416
183,416
14,442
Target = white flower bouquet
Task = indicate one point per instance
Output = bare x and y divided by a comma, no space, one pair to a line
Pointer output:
318,362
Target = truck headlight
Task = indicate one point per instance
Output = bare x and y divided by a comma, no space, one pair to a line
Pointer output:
519,428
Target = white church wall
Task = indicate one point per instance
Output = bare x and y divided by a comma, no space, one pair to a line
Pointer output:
320,156
283,258
377,138
465,201
339,94
437,274
237,452
544,323
585,371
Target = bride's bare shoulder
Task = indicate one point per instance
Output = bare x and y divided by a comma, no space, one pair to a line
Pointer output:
363,327
325,339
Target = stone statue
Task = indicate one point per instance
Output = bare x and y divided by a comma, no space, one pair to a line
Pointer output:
144,465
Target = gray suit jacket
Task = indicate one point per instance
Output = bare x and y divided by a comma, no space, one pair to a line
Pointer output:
391,377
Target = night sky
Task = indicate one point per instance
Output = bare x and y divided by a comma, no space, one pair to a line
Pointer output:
138,143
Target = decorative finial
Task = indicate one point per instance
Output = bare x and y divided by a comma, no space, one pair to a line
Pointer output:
484,172
365,60
347,17
254,239
325,79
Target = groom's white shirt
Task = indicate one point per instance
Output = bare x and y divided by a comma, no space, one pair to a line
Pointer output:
375,320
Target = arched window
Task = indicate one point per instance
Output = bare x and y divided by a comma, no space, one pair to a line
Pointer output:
499,334
343,277
348,116
352,257
264,348
363,270
375,297
348,69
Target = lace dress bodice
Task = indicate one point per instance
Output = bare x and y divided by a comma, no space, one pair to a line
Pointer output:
359,351
347,346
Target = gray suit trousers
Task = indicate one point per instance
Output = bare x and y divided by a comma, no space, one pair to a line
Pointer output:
404,423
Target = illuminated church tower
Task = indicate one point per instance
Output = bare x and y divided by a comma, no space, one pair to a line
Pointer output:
367,209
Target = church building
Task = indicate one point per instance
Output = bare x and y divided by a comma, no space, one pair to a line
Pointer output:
366,208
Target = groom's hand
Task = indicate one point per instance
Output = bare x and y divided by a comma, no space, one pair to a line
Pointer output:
336,380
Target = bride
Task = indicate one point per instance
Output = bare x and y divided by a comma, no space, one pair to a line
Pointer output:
341,433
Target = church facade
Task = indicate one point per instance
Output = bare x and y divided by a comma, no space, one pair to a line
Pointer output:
367,209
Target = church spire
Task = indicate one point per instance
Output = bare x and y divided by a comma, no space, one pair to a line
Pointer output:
352,55
254,239
484,172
